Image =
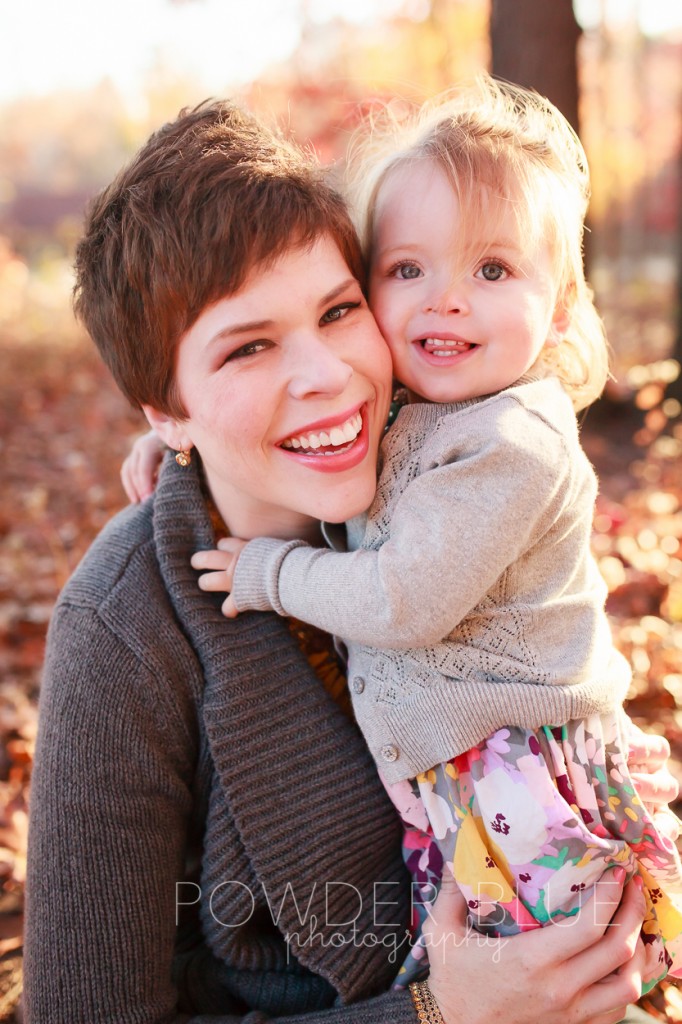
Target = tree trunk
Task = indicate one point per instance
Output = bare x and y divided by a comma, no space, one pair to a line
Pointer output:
675,389
534,44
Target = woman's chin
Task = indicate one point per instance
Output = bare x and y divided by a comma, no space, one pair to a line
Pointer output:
343,511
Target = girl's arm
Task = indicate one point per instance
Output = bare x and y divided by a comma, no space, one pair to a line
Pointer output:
453,532
141,465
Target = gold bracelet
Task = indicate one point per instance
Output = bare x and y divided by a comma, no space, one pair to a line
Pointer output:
426,1006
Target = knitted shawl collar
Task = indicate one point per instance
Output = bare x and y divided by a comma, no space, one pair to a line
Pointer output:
292,772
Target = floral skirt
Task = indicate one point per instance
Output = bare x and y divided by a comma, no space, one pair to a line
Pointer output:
527,821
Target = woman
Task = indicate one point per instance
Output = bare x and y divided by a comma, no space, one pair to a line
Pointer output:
187,858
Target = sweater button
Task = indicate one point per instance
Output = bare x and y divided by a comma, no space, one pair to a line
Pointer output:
389,752
358,684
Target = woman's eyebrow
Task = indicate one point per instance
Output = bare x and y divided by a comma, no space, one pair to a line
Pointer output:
248,325
337,290
261,325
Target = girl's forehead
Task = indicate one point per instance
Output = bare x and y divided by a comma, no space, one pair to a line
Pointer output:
423,191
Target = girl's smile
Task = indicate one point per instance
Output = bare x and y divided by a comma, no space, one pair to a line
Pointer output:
456,332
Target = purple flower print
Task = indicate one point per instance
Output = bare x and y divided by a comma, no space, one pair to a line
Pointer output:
500,825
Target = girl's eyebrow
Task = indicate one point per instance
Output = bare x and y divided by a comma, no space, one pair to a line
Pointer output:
504,243
398,247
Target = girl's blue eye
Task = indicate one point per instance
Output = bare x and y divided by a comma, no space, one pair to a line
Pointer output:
408,271
493,272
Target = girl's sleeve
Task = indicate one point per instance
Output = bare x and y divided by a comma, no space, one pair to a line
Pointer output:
453,532
111,805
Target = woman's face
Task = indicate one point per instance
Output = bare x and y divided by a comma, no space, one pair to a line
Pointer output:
286,385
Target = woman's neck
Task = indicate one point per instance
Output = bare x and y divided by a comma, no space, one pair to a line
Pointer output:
247,517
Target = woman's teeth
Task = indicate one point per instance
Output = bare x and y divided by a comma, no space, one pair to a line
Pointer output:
441,347
334,438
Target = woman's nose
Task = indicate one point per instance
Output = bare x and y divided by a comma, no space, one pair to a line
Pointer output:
315,368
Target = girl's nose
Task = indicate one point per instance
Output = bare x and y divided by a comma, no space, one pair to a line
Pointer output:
448,297
315,368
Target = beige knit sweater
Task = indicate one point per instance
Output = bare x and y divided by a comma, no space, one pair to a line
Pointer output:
472,600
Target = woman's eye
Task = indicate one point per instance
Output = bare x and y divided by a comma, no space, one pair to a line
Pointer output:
250,349
407,271
493,272
338,312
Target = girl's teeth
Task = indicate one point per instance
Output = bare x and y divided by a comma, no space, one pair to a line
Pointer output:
441,343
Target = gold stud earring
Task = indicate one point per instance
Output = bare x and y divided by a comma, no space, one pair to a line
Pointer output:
184,457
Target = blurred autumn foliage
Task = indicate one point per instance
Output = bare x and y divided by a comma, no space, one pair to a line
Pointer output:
64,429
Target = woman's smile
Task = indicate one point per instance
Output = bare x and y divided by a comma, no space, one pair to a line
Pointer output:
332,446
287,385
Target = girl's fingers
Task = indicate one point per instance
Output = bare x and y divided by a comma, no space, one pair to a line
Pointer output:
232,544
667,823
147,470
128,481
216,582
210,560
646,749
658,787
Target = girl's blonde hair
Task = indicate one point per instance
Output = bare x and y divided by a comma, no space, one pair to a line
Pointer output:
503,148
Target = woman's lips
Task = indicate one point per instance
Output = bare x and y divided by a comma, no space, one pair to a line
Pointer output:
334,449
333,438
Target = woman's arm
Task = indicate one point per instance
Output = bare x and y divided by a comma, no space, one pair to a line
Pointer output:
111,805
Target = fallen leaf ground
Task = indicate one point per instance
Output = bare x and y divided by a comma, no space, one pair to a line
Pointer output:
64,430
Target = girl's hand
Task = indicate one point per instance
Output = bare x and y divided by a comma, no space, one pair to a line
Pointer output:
584,971
221,564
656,787
648,763
141,466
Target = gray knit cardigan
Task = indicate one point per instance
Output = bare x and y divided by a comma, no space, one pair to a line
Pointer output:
196,769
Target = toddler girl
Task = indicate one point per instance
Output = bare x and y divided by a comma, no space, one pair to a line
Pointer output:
481,665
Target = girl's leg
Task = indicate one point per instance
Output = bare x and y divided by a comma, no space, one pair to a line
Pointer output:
527,822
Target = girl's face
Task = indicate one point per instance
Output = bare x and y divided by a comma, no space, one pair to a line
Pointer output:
455,334
286,385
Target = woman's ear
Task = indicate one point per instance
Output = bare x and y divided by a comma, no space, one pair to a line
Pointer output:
171,431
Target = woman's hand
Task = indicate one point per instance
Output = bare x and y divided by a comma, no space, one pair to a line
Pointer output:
221,565
141,466
584,971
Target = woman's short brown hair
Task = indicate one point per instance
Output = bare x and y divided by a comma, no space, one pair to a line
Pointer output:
209,197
